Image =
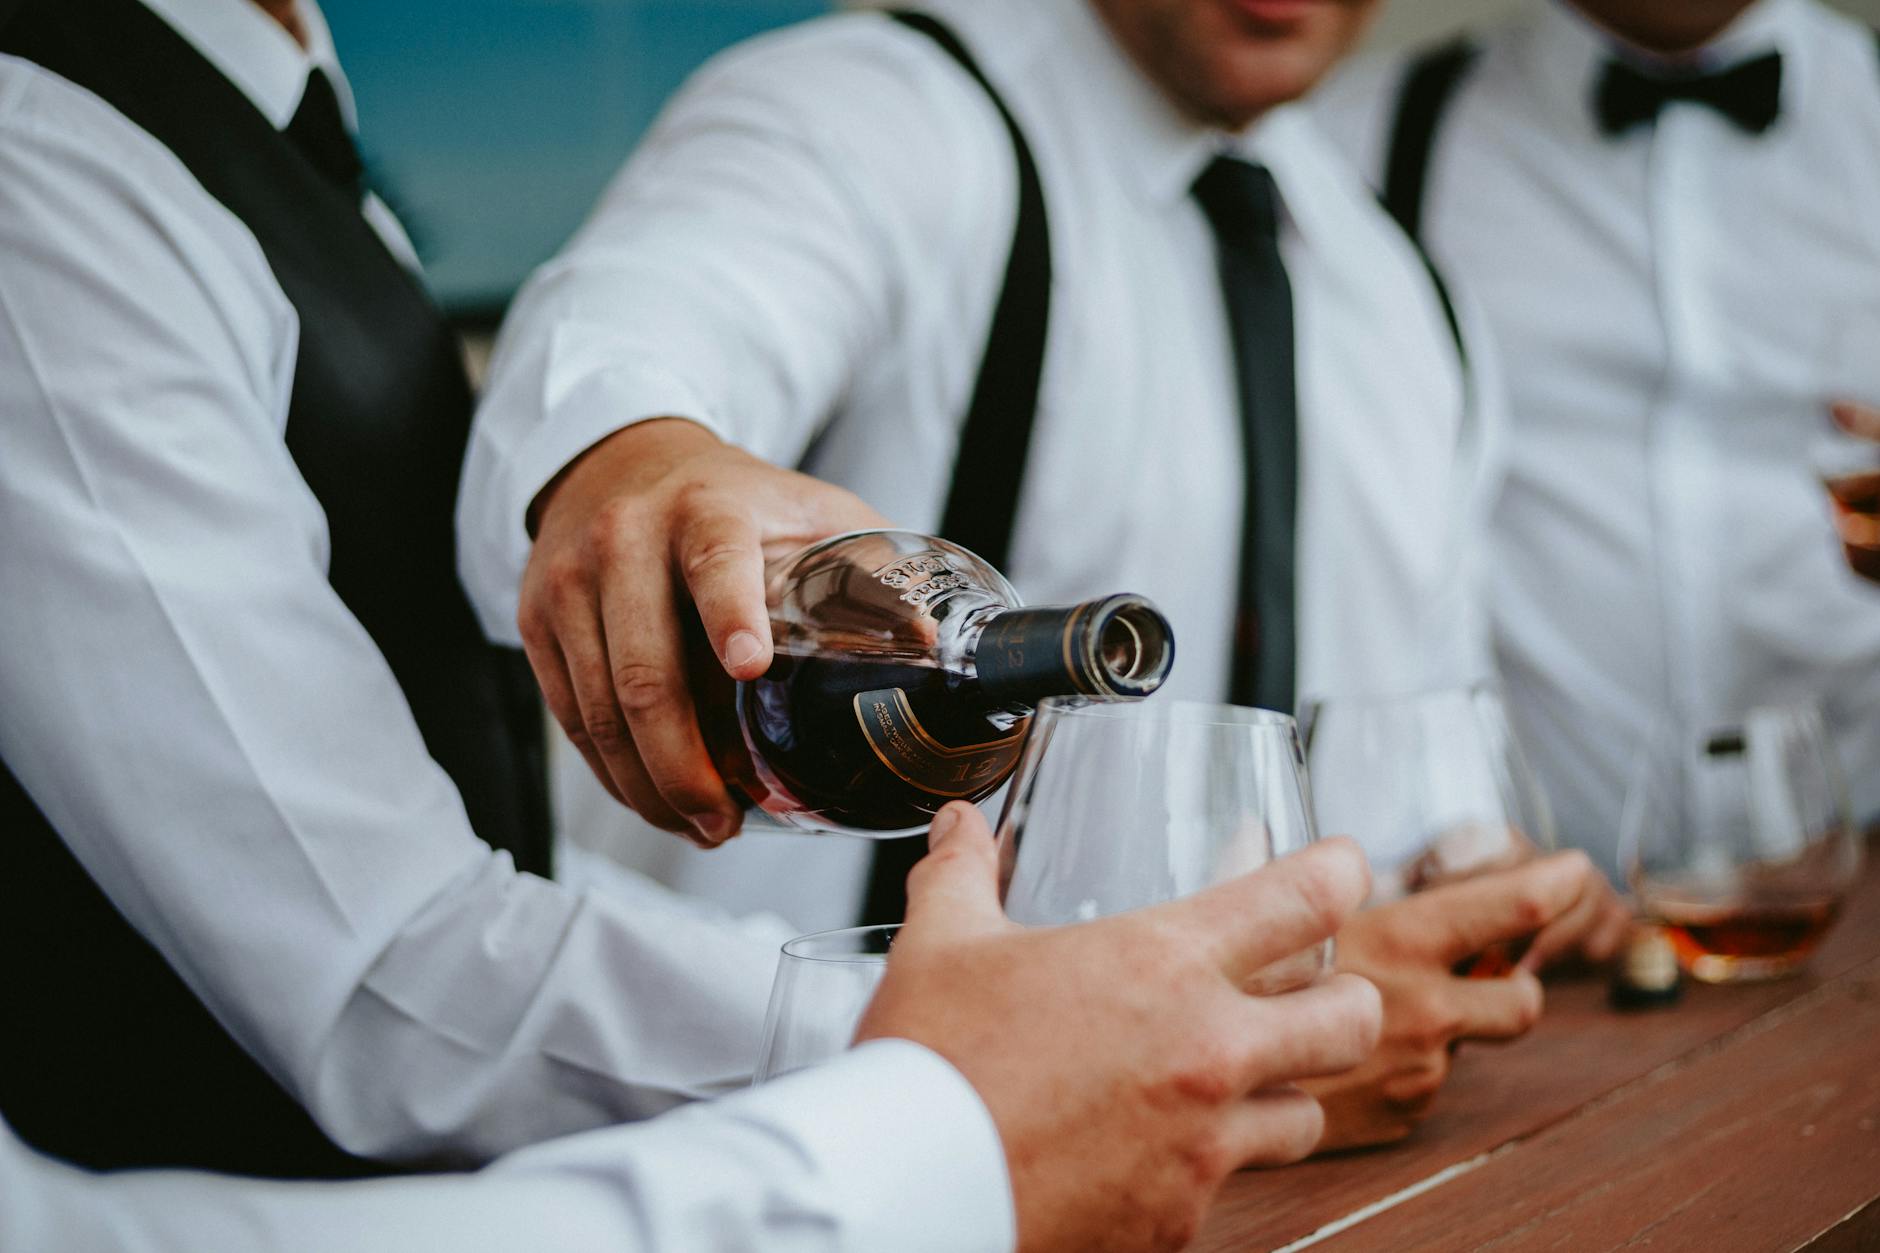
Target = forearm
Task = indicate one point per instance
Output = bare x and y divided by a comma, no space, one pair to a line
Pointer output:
757,253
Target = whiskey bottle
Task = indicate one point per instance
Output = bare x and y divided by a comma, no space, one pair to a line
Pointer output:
904,677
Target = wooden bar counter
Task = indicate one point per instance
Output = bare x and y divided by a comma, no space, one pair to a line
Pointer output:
1742,1118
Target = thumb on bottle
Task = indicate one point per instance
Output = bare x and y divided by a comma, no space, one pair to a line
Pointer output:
955,887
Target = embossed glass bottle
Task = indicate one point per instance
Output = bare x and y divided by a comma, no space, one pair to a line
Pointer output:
905,674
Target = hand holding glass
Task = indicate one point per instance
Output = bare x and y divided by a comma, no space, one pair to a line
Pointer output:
1113,807
1432,785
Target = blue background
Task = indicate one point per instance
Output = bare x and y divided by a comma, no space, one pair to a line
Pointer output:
491,125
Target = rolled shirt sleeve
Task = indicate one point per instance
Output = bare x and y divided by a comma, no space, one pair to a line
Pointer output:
740,269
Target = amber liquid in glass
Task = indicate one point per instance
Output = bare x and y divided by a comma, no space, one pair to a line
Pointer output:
1740,940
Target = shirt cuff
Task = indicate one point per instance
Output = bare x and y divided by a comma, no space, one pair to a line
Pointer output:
912,1154
517,450
599,403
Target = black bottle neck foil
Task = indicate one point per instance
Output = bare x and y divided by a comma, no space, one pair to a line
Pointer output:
1116,648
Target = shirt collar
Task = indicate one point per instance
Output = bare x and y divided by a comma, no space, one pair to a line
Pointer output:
1569,50
1162,149
252,51
1288,143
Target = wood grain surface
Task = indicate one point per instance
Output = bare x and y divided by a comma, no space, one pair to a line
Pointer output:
1743,1118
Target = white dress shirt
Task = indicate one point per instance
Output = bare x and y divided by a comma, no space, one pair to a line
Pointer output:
219,743
1665,301
746,1174
810,243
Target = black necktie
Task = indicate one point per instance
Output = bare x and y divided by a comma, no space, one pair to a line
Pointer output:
318,129
1749,94
1242,204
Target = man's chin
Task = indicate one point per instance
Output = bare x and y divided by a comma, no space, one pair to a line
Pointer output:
1281,81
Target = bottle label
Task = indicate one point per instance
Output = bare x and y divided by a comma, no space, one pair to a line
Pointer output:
923,579
905,747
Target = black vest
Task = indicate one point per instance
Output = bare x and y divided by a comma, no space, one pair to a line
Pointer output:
106,1058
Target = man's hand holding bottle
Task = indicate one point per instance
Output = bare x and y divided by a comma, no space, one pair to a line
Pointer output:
653,515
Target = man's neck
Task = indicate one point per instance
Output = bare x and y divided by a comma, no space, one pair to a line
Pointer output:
1664,27
287,13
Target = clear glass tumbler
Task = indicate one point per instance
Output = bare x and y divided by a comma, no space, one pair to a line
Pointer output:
824,982
1115,807
1737,839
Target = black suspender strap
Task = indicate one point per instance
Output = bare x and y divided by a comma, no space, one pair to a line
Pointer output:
995,440
1428,85
1448,303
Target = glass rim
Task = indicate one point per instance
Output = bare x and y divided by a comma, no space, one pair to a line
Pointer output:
795,949
1151,710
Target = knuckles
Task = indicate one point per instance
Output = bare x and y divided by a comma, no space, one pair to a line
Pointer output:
1207,1159
1294,1126
605,734
618,526
641,687
1304,1131
533,626
1533,910
1532,1003
694,500
703,560
1582,864
1423,1023
1177,1228
1210,1075
564,580
1433,1032
1359,1023
1323,897
1414,1091
938,861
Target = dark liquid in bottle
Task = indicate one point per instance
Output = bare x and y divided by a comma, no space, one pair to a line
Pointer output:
875,744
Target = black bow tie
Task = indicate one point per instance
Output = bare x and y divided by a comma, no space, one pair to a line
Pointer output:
1748,94
318,129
